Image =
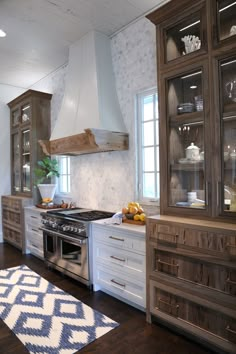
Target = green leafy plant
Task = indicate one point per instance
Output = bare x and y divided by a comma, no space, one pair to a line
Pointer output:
47,168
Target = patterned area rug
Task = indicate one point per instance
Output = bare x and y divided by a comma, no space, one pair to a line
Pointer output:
45,318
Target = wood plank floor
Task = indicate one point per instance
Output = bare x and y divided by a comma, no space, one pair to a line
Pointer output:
133,336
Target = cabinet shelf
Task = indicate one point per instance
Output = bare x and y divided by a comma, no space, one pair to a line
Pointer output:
193,118
198,166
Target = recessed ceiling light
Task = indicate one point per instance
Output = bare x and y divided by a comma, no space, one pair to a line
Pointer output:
2,33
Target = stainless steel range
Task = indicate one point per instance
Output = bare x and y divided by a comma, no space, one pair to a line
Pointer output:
66,238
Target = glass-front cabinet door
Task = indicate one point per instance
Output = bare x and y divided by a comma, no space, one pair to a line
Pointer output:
185,36
227,72
225,20
186,148
21,148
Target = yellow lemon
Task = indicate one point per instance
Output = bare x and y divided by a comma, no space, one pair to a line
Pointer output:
142,217
137,217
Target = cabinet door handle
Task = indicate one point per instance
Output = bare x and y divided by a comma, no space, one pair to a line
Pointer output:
160,301
117,258
168,264
33,217
230,330
231,281
116,238
117,283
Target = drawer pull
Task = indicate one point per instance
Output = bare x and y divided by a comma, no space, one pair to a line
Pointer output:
168,264
34,230
230,281
116,238
33,217
117,258
230,330
175,307
116,282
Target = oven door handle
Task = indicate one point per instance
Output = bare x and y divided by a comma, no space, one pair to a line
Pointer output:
78,239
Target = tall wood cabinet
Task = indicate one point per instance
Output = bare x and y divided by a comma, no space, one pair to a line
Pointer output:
191,246
196,54
29,122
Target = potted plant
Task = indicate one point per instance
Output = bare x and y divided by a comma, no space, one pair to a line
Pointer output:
46,169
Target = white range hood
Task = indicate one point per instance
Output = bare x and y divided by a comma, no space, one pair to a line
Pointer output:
90,119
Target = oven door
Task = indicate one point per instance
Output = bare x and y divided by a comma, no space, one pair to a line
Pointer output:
67,254
74,255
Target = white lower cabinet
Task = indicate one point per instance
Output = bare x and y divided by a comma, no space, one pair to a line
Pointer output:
33,232
119,261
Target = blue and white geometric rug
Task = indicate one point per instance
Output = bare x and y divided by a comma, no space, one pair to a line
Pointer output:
45,318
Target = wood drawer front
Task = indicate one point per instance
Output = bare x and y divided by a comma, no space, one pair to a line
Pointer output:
119,284
130,263
33,228
11,217
213,243
12,236
165,233
34,240
199,316
211,275
120,240
11,203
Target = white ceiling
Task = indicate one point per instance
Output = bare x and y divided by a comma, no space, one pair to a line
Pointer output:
39,32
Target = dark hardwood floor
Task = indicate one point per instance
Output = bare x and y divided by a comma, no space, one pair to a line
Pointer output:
133,336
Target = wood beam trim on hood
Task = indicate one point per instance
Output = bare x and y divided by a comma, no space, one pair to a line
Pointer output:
91,141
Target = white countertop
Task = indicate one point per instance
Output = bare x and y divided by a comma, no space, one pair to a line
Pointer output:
141,229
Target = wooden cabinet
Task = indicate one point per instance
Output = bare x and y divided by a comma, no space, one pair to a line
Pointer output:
196,55
29,122
191,278
119,261
13,220
33,232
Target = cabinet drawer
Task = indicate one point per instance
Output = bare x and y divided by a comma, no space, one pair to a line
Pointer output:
165,233
120,240
11,217
214,243
130,263
34,242
120,284
13,236
11,203
33,218
211,275
206,319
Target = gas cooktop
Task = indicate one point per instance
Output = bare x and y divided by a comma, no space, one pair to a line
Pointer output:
81,214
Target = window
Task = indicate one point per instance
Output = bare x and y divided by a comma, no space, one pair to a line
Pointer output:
64,179
148,146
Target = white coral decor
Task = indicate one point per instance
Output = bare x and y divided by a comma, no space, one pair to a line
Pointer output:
191,43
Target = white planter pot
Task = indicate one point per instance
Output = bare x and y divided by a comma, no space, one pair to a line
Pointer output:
47,190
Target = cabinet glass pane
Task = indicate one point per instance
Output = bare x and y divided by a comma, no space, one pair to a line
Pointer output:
16,163
228,93
184,38
186,141
15,117
226,15
26,113
26,161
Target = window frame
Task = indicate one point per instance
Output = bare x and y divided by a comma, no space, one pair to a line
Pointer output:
140,147
68,176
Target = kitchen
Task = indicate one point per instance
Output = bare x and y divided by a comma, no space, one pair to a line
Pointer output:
138,43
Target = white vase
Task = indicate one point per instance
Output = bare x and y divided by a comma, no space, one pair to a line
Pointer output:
47,190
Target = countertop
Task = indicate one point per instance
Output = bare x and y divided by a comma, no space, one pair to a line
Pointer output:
141,229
